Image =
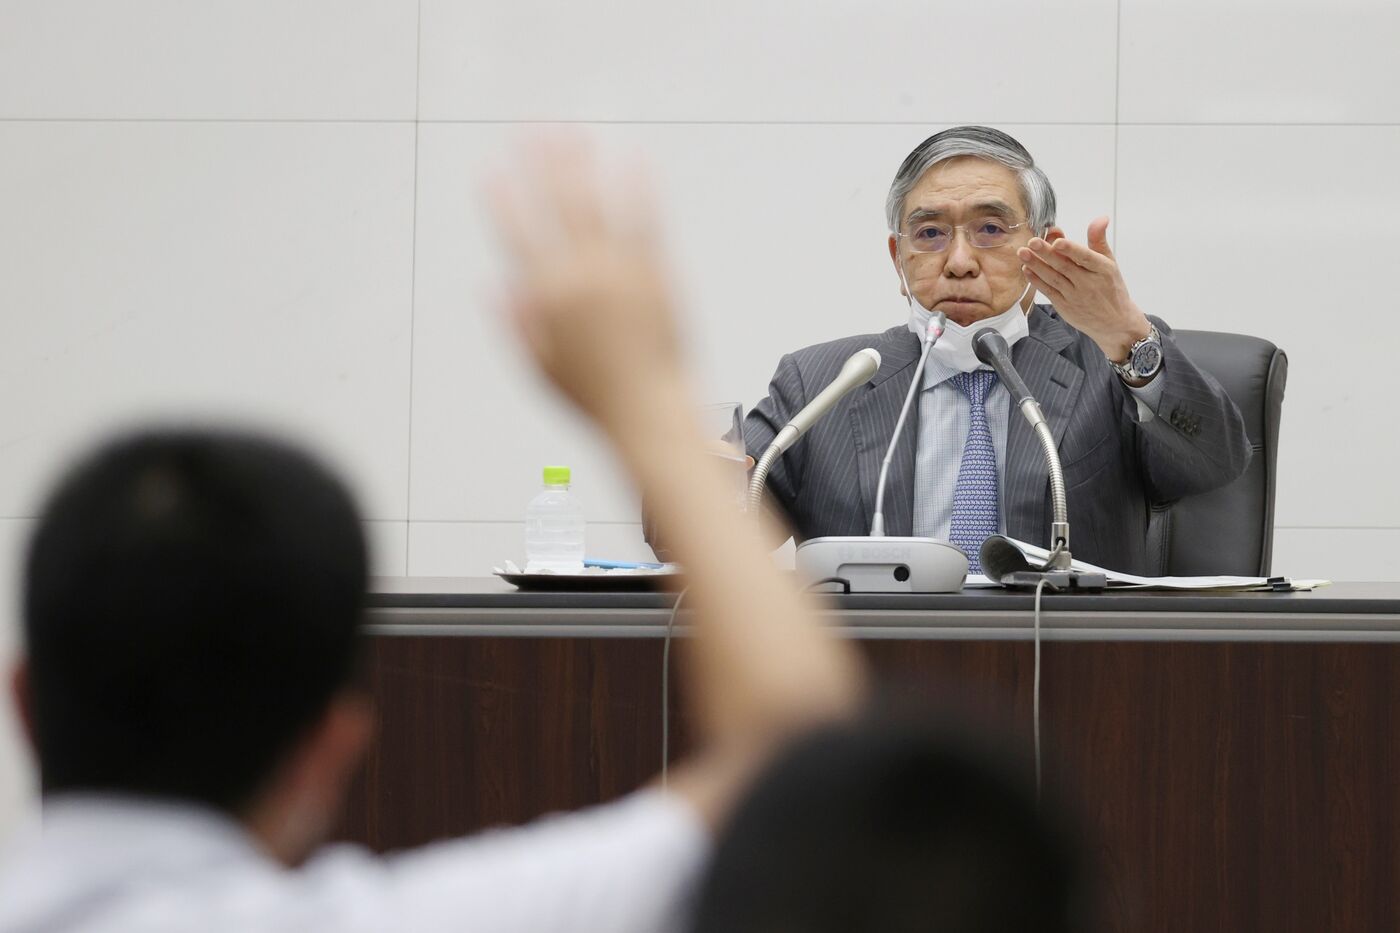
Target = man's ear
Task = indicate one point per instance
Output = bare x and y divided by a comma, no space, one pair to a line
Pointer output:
303,797
894,258
340,740
24,703
356,709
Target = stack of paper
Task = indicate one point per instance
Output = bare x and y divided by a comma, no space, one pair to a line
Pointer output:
1119,581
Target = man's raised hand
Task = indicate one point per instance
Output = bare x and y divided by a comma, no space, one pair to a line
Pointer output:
1086,287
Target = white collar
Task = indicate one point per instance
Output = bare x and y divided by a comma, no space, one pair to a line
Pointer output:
132,831
83,850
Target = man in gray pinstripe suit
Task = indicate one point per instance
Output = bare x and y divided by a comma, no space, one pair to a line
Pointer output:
972,235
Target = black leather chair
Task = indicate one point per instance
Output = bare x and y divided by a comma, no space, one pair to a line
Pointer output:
1230,530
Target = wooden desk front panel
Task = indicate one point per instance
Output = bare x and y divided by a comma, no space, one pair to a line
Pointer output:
1221,786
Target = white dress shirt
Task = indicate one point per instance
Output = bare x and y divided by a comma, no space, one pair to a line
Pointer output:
103,865
944,416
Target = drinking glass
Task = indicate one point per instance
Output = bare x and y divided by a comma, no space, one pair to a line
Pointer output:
723,424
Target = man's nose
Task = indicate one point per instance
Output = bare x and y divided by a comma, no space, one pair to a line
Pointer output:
962,258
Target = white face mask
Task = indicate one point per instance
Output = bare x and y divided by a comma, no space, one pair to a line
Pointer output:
954,348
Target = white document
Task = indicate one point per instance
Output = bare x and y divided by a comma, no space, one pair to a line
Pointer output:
1121,581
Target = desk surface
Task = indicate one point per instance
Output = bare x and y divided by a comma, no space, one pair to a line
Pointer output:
488,606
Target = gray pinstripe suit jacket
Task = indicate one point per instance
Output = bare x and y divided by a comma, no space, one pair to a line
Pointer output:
1115,467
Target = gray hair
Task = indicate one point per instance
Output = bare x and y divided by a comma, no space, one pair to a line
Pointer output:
981,142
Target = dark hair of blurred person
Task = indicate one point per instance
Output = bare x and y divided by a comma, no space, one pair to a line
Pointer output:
891,826
192,604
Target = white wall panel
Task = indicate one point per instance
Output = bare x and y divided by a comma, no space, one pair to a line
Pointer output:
213,59
1281,232
17,778
471,549
1337,554
1260,61
769,60
14,539
778,241
388,548
259,272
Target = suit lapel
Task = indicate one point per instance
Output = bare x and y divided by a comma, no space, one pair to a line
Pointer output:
873,416
1055,381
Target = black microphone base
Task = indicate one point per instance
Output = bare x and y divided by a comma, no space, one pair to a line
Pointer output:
1060,580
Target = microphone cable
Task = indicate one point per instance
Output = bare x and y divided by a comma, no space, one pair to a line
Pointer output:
1035,689
666,687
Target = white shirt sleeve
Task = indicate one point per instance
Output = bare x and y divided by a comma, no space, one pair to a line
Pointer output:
1148,397
626,867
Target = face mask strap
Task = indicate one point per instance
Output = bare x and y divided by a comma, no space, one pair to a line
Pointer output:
1024,293
908,292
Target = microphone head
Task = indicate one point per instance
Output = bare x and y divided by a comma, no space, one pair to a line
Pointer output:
862,364
936,325
856,371
989,345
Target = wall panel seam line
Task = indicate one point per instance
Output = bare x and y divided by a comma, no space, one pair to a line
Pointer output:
514,521
418,65
1117,107
610,121
314,121
582,121
488,121
395,121
368,520
413,286
1278,527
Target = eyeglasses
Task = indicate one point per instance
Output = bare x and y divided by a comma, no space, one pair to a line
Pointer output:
930,237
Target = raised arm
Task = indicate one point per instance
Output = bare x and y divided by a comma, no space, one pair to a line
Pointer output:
591,301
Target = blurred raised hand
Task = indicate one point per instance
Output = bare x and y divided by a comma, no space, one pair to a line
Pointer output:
588,291
591,300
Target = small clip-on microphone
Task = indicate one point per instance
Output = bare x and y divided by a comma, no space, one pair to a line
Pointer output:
1001,560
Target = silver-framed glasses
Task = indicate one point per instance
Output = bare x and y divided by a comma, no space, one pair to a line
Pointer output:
932,236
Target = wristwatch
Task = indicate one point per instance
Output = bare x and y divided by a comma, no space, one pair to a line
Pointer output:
1144,358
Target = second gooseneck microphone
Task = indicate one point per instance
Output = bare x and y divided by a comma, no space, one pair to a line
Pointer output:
856,371
991,348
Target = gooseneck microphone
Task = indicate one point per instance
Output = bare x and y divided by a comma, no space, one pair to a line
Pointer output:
856,371
935,328
991,349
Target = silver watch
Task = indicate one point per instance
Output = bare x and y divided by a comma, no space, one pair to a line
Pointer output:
1144,357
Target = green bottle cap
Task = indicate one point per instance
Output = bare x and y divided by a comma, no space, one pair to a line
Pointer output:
556,476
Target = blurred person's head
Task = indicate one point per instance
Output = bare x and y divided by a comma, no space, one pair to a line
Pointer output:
890,827
192,602
960,206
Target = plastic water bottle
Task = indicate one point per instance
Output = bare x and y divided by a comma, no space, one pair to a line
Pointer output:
554,526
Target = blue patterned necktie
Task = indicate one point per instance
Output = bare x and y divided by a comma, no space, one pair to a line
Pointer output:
975,498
